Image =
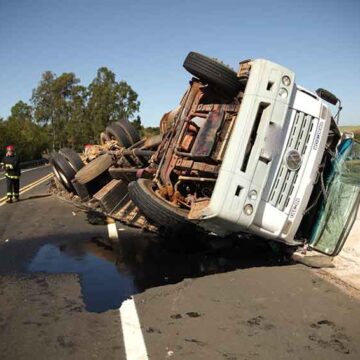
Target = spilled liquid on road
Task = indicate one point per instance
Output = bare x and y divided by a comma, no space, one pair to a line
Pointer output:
109,277
103,286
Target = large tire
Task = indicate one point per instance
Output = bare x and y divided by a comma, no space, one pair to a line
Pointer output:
115,132
73,158
94,169
158,211
213,72
129,130
63,171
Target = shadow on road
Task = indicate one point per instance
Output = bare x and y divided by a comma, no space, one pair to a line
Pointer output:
33,197
139,261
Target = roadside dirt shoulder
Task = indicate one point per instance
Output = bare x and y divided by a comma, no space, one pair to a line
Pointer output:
257,313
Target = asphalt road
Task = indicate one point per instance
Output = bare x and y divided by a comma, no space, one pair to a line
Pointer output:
28,177
60,295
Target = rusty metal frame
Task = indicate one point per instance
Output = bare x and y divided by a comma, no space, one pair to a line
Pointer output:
174,165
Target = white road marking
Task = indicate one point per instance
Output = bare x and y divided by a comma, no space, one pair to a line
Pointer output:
27,170
29,187
135,348
112,230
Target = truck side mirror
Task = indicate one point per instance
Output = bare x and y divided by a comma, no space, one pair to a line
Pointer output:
327,96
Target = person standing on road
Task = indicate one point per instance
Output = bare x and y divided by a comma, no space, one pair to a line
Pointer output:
11,164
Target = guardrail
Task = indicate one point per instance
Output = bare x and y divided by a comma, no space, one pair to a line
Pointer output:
27,164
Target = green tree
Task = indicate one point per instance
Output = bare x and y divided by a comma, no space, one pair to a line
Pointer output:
30,139
145,131
110,100
53,101
73,114
65,113
78,128
3,137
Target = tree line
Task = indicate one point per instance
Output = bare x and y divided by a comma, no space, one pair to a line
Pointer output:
63,113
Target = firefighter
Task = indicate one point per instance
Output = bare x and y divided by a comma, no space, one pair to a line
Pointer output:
11,164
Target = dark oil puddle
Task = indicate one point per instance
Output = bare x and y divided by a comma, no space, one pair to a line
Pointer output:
139,262
103,286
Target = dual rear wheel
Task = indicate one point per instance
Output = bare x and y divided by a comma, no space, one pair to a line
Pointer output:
66,163
123,132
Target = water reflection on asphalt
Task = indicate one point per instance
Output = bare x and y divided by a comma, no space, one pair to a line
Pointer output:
103,286
138,263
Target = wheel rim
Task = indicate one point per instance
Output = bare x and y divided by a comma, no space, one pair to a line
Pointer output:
64,179
71,165
61,177
57,173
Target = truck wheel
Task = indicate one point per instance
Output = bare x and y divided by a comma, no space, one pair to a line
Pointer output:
73,158
129,130
158,211
104,138
63,171
115,132
94,169
212,72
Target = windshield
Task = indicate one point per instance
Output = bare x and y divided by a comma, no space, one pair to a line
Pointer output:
338,212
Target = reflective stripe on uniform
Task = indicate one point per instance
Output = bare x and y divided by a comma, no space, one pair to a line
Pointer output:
12,176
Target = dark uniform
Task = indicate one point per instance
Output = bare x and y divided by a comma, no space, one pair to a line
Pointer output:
11,164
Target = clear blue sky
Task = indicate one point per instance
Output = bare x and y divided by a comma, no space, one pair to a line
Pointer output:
145,42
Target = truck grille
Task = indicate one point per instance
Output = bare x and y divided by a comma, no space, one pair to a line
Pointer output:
285,180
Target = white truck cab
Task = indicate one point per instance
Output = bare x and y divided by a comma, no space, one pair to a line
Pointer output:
272,157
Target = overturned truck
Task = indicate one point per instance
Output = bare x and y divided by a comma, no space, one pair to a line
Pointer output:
244,152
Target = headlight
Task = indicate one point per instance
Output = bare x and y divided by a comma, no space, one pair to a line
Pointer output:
283,93
252,195
248,209
286,80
